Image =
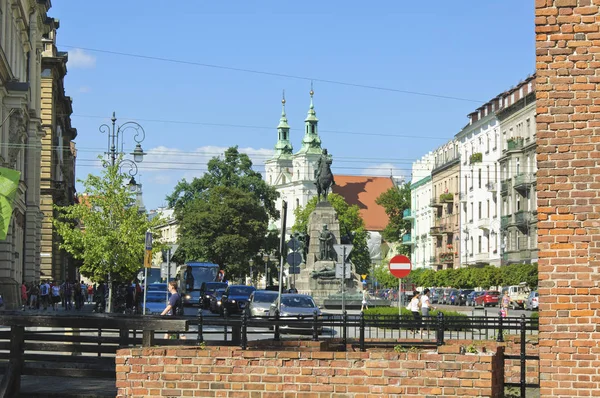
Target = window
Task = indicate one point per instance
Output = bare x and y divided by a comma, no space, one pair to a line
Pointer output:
479,205
466,183
479,176
472,212
487,143
297,203
518,165
518,203
312,126
495,139
495,172
528,127
298,174
488,209
479,243
471,254
472,177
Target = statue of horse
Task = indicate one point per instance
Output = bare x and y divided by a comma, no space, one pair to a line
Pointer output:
324,176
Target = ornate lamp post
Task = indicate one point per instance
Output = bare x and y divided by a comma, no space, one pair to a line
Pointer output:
115,135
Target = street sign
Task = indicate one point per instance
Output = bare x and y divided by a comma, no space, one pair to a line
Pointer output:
148,240
400,266
294,270
339,271
339,249
364,276
294,244
148,259
294,259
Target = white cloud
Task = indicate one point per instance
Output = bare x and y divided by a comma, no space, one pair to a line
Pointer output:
384,169
166,166
81,59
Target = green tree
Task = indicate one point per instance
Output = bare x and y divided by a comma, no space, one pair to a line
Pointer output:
350,223
111,239
383,277
395,200
224,214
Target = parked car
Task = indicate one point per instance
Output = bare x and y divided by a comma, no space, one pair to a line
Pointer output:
471,298
260,302
518,295
445,297
453,297
488,298
462,296
214,303
207,289
298,306
436,295
235,298
532,302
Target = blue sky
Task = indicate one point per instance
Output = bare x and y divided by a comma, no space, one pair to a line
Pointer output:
470,49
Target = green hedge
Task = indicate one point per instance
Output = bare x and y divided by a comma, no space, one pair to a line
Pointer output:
405,312
476,157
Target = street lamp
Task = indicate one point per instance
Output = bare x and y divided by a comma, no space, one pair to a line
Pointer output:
266,260
114,151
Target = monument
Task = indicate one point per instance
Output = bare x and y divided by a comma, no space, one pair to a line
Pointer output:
317,276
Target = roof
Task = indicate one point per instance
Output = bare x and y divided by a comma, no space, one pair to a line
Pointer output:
363,191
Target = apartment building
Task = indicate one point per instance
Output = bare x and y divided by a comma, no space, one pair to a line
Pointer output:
480,213
444,202
518,174
422,245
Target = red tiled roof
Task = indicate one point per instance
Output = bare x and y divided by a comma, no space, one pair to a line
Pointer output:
363,191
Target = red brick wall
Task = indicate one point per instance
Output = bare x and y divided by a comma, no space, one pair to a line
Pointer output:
568,187
231,372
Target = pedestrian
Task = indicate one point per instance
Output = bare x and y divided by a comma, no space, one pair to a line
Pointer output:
414,306
68,293
505,303
45,294
33,296
23,295
175,306
365,296
293,289
425,305
55,296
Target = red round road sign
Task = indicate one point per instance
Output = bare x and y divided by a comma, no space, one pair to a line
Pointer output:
400,266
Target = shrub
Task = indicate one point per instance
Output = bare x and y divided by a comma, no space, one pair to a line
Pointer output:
476,158
446,196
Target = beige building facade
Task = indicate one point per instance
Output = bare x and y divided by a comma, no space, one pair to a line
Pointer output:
57,158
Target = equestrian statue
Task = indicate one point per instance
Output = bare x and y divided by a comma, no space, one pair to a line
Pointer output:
324,178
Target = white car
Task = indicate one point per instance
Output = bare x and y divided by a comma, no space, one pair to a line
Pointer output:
532,302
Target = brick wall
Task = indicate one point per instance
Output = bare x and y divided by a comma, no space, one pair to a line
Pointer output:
232,372
568,188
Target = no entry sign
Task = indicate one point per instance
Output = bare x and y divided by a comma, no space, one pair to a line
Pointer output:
400,266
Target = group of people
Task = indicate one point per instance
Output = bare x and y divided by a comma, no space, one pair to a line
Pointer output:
51,294
420,306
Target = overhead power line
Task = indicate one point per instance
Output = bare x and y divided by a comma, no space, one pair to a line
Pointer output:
276,74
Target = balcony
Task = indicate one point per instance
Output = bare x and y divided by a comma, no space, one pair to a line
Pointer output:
504,187
523,181
504,221
408,214
407,239
514,144
525,254
436,230
482,257
483,223
491,187
522,219
446,198
434,203
447,258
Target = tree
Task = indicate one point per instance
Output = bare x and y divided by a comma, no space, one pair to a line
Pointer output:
111,240
351,224
395,200
383,276
224,214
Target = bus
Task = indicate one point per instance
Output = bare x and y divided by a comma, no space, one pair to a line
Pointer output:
190,277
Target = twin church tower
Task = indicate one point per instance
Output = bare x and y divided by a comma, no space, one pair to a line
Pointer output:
293,174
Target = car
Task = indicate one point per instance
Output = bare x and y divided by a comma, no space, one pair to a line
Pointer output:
471,298
436,295
235,298
488,298
518,295
532,302
207,289
445,296
214,303
260,302
462,296
157,287
296,306
156,302
453,297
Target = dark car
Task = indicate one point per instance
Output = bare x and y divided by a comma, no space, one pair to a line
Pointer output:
214,304
436,295
462,296
453,297
207,289
471,298
235,298
489,297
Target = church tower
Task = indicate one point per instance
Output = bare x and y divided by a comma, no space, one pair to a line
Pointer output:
306,158
279,167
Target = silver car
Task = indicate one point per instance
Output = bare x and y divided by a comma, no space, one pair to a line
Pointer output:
532,302
260,302
296,306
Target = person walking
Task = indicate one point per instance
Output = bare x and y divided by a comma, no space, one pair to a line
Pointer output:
414,306
175,306
505,303
365,296
55,296
425,305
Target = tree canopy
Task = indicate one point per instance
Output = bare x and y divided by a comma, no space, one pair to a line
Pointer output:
111,233
223,216
351,223
395,200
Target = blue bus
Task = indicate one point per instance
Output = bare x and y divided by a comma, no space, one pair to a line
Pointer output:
190,277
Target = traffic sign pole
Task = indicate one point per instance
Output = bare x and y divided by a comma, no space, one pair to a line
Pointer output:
148,253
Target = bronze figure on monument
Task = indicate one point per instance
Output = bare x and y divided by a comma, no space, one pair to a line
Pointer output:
324,178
